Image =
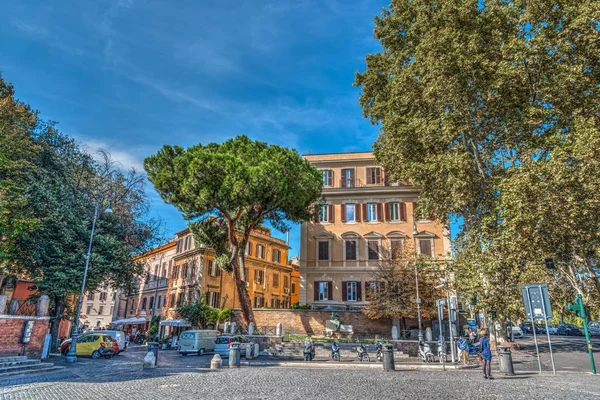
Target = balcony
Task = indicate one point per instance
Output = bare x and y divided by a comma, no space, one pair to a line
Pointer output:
156,284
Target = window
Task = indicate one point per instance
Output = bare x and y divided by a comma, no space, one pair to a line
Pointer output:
249,248
372,212
164,271
181,299
144,303
151,303
132,306
347,178
351,249
285,303
293,288
373,249
172,301
193,269
348,213
275,303
351,291
91,296
323,249
176,272
247,274
213,299
114,296
101,310
89,309
179,246
396,248
373,176
327,177
394,211
184,270
275,280
425,247
259,301
324,213
103,296
276,256
188,242
157,305
260,251
372,288
259,276
323,290
286,282
112,309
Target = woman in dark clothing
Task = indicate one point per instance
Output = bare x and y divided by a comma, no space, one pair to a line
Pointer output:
486,355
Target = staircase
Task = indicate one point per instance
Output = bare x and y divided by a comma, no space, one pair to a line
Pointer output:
17,365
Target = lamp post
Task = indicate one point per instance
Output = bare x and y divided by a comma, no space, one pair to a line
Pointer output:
416,232
72,354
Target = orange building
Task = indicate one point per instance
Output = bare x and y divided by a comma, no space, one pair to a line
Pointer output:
363,218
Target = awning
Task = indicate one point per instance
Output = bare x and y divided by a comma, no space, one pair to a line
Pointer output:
175,322
128,321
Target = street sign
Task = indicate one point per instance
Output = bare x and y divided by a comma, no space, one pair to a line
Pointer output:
536,301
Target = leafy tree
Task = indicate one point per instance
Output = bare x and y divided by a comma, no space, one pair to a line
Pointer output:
491,107
229,189
220,314
196,313
55,196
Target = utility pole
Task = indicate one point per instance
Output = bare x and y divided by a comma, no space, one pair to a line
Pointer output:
579,308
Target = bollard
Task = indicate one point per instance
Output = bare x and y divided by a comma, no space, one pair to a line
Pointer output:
388,357
216,362
505,358
249,351
234,355
153,347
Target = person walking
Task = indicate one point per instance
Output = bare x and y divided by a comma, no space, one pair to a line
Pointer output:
486,355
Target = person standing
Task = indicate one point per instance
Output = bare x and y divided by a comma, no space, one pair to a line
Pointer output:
486,355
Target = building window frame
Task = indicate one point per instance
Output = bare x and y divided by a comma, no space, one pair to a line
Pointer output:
323,249
372,212
323,291
373,255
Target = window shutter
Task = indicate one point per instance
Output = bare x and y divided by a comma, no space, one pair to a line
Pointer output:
331,213
352,178
425,247
358,291
365,214
378,175
387,211
330,177
386,179
344,291
249,248
357,212
256,276
402,211
343,179
329,291
379,212
369,172
343,216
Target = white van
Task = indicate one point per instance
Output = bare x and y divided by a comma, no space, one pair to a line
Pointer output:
196,341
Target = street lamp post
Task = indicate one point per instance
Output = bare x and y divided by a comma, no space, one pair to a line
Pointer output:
72,354
416,232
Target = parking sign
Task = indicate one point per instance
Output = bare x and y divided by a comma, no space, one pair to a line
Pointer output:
536,301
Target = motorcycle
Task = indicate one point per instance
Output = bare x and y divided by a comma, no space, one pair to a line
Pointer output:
335,351
425,352
361,353
309,350
379,351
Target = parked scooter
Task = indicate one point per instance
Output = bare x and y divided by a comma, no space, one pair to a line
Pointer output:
425,352
361,353
309,350
379,351
335,351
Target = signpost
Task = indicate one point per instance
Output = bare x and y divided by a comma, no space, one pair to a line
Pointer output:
578,307
537,306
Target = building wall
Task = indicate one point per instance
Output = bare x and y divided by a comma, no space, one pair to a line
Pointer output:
367,190
11,331
97,308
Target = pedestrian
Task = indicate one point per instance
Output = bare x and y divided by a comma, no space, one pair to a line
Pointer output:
486,354
463,349
472,336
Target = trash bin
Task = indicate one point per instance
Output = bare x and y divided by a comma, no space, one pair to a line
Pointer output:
388,357
505,358
234,355
153,347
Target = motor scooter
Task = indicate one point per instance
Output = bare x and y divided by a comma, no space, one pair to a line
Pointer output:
425,352
309,350
335,351
361,353
379,351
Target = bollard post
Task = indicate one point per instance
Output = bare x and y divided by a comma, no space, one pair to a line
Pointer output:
249,351
216,362
234,355
388,357
505,358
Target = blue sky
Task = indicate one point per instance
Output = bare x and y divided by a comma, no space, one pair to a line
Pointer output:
130,76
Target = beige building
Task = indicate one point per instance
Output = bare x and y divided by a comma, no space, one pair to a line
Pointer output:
98,308
364,217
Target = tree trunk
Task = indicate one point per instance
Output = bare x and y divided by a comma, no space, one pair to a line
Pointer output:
237,262
59,307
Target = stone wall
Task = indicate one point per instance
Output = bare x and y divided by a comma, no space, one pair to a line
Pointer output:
309,322
11,330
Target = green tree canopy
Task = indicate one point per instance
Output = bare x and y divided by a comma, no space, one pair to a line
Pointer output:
239,184
492,108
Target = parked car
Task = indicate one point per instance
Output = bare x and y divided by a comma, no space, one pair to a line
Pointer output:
95,345
594,328
551,330
562,329
526,327
224,343
118,336
197,341
517,332
569,330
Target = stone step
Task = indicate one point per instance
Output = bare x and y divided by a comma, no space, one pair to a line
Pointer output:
12,358
46,367
25,367
18,362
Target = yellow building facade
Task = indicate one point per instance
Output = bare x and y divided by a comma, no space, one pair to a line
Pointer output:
363,218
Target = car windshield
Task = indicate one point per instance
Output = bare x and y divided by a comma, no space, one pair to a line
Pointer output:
187,335
223,340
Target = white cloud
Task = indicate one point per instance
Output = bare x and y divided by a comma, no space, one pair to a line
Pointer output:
126,159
